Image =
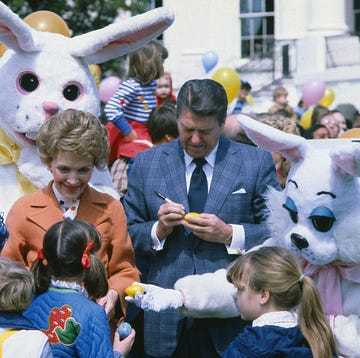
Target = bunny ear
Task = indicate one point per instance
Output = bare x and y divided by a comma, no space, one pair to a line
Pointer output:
14,32
122,37
291,146
346,159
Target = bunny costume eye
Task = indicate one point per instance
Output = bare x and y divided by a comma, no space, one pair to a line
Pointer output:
72,91
322,218
290,206
27,82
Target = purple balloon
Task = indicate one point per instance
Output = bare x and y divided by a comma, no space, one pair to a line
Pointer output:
313,91
108,87
209,60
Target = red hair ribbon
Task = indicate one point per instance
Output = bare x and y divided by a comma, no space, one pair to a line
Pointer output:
85,261
40,254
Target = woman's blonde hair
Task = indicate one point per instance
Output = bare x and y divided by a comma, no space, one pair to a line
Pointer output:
73,131
278,271
285,124
146,63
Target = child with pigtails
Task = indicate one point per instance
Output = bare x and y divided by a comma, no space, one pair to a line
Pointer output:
68,278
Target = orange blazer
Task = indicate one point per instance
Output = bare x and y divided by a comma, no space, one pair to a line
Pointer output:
31,215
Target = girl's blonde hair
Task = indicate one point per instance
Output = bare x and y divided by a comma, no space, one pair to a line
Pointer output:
278,271
146,63
73,131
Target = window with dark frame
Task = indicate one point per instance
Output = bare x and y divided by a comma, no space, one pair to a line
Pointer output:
257,28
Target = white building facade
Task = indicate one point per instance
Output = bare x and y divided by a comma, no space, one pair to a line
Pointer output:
267,40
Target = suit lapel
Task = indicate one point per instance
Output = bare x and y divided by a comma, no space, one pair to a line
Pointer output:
174,179
92,207
45,209
174,182
227,165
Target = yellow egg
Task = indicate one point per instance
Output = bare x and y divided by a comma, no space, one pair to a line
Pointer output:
132,289
194,215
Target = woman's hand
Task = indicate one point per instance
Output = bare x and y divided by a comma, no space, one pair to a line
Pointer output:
108,302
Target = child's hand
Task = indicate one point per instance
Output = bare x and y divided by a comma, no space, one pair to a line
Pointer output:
124,346
131,136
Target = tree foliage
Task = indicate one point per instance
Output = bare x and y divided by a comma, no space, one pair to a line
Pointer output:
83,16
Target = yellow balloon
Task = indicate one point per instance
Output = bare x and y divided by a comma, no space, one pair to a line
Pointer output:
96,72
48,21
305,120
230,80
328,97
249,99
3,48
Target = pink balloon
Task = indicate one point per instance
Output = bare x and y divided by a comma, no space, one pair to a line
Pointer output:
313,91
108,87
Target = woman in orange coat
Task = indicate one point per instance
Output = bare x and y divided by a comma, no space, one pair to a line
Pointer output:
71,144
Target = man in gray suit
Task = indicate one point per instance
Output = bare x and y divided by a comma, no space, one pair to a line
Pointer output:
168,247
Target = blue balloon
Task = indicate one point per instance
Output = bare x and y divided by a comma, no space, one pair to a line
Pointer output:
209,60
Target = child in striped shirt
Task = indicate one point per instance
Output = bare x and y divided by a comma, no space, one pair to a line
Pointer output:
128,110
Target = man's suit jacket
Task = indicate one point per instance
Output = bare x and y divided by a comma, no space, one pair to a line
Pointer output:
33,214
240,178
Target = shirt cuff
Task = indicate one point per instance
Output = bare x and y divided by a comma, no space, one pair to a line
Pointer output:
122,125
238,240
156,243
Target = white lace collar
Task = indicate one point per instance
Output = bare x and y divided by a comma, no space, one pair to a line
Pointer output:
285,319
69,285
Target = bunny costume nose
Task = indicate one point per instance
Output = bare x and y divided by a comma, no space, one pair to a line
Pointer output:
299,241
50,109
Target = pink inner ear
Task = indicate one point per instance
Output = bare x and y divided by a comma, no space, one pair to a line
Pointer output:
293,154
345,164
138,35
4,27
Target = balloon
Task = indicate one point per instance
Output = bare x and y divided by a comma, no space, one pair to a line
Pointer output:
328,97
230,80
313,91
351,133
249,99
108,87
209,60
96,72
47,21
305,120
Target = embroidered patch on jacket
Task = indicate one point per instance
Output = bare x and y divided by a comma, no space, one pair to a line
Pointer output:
62,327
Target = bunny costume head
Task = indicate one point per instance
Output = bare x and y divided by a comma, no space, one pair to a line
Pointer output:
317,217
45,73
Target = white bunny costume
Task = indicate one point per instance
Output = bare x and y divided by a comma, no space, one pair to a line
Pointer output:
45,73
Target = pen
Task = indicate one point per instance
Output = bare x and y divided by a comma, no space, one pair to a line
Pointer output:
163,197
